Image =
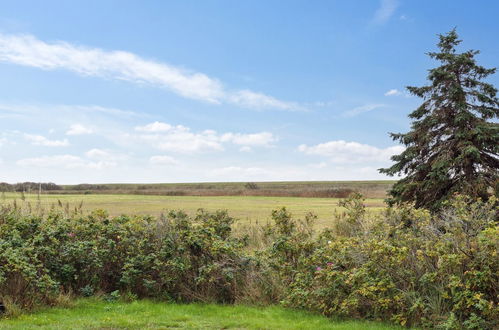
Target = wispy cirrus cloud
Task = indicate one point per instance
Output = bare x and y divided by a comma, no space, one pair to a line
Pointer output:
162,160
385,11
396,92
393,92
97,153
79,129
256,100
64,161
39,140
27,50
350,152
364,108
36,109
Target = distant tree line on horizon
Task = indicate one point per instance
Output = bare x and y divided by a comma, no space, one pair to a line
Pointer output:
28,186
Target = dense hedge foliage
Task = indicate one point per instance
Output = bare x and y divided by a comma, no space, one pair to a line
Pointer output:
405,265
174,257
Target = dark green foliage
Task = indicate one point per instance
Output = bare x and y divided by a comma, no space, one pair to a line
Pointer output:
406,265
453,144
175,257
439,271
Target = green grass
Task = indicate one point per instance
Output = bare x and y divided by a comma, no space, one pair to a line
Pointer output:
96,314
248,209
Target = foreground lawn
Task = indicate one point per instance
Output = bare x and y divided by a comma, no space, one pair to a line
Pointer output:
96,314
248,209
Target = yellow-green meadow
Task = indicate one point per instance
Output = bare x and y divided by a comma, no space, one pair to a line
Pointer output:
247,209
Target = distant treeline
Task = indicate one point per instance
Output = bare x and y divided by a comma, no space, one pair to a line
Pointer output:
29,186
323,189
87,186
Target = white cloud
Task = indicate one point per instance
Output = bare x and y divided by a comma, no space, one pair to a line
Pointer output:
323,104
106,156
29,109
181,139
250,99
50,161
319,165
3,141
78,129
351,152
385,11
63,161
240,173
256,139
245,149
162,160
362,109
97,154
27,50
39,140
393,92
154,127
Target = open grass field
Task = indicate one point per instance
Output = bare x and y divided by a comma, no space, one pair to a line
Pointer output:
248,209
96,314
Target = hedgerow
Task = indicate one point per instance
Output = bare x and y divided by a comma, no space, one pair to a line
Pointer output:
405,265
175,257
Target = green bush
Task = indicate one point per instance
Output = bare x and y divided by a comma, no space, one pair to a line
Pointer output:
175,257
405,265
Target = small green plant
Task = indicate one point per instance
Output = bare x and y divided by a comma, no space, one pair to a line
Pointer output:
113,296
87,291
352,220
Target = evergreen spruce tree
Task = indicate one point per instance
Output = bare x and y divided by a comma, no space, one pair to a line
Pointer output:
453,143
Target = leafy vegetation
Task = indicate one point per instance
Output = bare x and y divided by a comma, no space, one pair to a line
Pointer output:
406,265
453,145
169,258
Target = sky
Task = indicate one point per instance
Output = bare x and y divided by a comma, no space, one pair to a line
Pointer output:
202,91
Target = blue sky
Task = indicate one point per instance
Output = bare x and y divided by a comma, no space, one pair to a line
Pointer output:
187,91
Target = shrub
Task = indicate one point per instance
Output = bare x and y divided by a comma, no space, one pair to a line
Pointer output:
406,266
175,257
